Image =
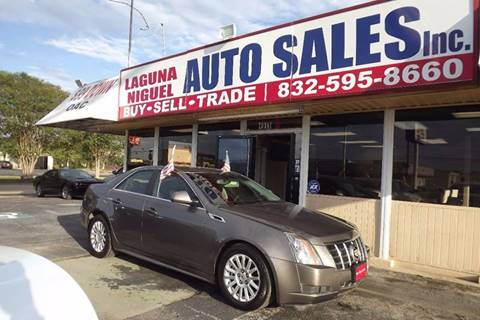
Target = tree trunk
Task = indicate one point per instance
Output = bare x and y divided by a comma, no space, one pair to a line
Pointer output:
30,143
97,167
27,164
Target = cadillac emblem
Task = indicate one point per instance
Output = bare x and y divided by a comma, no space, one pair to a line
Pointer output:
354,253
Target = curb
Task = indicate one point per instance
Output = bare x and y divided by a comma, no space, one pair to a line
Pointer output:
435,274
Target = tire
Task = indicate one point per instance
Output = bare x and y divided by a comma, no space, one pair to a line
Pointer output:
39,190
66,193
244,278
99,237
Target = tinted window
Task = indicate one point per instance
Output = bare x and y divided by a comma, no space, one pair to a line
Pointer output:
436,156
137,183
346,155
75,174
173,184
51,174
208,135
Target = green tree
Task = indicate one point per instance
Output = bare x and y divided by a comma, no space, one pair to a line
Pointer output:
101,148
23,101
66,147
6,144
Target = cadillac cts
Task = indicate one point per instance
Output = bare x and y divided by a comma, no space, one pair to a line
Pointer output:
228,230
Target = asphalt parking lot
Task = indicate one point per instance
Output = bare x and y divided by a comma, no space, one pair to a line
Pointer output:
126,288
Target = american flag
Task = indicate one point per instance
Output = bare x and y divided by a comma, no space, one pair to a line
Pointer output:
169,168
226,165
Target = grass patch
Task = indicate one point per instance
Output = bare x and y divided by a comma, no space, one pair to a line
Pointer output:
13,179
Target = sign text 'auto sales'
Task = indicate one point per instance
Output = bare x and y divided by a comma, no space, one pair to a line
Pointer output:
381,46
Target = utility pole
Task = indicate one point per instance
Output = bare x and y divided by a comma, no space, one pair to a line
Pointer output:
130,33
146,27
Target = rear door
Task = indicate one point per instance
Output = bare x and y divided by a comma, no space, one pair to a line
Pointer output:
128,199
175,233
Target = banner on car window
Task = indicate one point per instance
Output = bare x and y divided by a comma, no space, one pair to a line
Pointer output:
375,47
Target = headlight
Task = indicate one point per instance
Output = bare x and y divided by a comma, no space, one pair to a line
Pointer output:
303,250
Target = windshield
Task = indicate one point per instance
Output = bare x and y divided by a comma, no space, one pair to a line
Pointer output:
75,174
232,188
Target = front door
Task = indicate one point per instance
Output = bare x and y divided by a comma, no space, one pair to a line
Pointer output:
51,181
175,233
128,200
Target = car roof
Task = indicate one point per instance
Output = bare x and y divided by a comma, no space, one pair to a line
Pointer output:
183,169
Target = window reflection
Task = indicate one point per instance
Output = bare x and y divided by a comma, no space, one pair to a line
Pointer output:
208,135
346,155
140,147
436,153
181,138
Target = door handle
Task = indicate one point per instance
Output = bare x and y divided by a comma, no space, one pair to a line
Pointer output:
119,203
152,212
216,218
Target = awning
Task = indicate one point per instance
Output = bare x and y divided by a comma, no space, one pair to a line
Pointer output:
89,106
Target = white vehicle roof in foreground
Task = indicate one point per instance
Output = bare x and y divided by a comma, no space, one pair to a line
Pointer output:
32,287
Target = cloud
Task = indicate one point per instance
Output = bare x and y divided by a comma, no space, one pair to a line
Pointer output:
99,28
108,49
54,76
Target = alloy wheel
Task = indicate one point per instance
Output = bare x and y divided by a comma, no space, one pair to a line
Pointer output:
65,192
98,236
242,278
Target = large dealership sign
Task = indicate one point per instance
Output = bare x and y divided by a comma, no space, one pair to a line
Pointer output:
374,47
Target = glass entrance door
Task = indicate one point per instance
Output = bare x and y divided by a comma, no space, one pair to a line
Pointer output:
275,165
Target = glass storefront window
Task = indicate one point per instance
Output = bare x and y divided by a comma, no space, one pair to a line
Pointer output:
140,147
436,156
208,135
346,155
181,137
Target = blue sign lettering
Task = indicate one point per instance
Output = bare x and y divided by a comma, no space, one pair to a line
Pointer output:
282,50
365,39
410,37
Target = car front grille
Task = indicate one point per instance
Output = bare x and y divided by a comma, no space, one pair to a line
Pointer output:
348,253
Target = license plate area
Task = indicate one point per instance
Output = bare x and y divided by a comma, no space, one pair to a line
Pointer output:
359,272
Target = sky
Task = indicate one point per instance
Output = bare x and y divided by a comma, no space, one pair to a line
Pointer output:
63,40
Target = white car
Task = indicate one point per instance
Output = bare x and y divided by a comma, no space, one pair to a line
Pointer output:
32,287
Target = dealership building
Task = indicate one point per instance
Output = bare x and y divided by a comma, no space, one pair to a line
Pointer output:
370,113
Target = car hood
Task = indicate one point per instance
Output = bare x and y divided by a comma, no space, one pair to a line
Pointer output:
317,227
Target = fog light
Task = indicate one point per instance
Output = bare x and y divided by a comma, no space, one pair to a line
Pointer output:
306,289
310,289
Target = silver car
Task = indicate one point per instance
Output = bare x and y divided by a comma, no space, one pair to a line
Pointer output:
226,229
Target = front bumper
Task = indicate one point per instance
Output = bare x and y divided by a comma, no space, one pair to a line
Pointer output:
302,284
84,217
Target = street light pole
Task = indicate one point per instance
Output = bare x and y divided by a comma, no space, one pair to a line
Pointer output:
130,33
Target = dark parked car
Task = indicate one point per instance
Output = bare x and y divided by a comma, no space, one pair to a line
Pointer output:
228,230
6,164
69,183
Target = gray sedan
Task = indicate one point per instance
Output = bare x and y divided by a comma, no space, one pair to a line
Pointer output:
228,230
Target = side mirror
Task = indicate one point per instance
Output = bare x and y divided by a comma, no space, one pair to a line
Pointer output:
184,198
